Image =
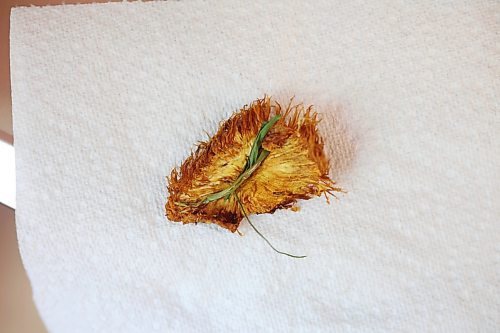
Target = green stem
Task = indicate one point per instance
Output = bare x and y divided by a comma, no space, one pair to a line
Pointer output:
241,178
257,144
258,232
255,158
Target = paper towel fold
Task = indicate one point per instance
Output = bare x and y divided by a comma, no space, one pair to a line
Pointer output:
108,98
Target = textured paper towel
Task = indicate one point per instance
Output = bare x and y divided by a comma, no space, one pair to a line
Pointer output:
108,98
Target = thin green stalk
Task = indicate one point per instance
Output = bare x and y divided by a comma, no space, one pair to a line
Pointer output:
255,158
258,232
257,144
227,192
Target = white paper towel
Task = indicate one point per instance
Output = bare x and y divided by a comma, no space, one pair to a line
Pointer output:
108,98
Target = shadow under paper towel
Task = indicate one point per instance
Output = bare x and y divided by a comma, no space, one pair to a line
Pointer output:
340,143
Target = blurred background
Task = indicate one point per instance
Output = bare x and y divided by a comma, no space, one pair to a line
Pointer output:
17,310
